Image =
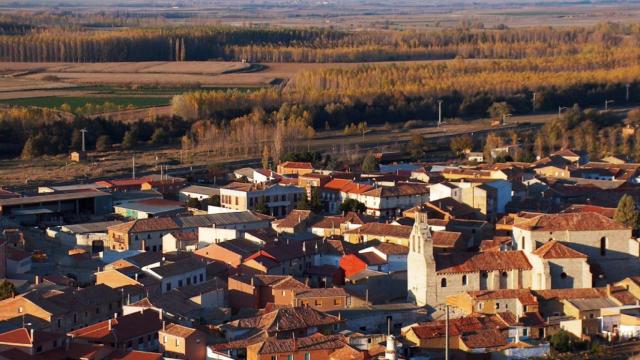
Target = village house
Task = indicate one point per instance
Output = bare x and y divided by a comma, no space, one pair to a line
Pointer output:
489,302
294,168
230,252
136,331
277,199
150,208
30,341
198,192
64,310
181,342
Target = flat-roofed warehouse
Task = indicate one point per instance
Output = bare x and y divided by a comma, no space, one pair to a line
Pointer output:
31,209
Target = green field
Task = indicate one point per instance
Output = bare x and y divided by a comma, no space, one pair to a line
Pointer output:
94,101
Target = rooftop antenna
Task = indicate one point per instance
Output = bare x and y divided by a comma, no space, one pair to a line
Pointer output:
83,131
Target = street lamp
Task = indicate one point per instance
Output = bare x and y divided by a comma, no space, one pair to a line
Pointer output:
606,104
560,108
504,118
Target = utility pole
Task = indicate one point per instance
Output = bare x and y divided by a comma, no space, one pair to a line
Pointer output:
133,166
83,131
560,108
627,96
606,104
439,112
446,333
533,102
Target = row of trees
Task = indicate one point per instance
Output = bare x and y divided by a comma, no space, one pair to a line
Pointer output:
334,98
60,43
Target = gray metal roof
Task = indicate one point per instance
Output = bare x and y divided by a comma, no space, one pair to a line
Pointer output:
151,208
204,190
216,219
90,227
36,199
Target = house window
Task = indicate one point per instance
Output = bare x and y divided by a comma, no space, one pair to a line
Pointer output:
525,332
497,306
563,275
179,283
480,305
168,286
164,339
274,357
188,281
464,280
307,356
290,357
443,282
337,302
195,279
603,246
318,302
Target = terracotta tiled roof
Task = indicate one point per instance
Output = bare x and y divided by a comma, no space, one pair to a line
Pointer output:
392,249
146,225
296,165
556,250
347,186
379,229
178,330
398,190
320,293
286,319
484,339
445,239
570,222
436,329
279,282
22,336
578,208
294,218
523,295
347,353
309,343
120,329
568,293
495,243
136,355
486,261
623,295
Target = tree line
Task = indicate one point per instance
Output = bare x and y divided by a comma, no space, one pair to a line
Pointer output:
26,42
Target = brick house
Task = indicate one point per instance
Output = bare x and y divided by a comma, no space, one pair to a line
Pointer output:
181,342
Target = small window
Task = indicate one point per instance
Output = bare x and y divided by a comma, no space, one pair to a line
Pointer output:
443,282
464,280
179,283
307,356
603,246
563,275
290,357
497,306
485,274
504,274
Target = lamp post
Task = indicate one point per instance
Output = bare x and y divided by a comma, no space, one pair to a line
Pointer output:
560,108
606,104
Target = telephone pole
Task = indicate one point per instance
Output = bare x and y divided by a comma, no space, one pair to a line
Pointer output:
446,333
627,96
439,112
83,131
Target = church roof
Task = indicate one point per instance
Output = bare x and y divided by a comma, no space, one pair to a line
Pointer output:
485,261
556,250
584,221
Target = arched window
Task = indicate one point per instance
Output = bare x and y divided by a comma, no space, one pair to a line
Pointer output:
464,280
603,246
443,282
563,275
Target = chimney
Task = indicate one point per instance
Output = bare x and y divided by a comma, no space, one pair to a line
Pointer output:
37,280
160,314
164,325
389,319
31,334
390,349
115,315
609,290
109,321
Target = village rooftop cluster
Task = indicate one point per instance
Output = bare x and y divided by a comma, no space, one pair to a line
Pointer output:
413,261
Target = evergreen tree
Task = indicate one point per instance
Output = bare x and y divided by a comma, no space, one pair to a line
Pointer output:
416,147
103,143
627,212
130,140
370,164
159,137
6,290
265,156
76,140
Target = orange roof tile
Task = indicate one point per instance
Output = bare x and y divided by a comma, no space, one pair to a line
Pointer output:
486,261
296,165
347,186
445,239
523,295
379,229
587,221
556,250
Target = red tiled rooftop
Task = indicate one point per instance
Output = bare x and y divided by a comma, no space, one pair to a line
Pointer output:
556,250
486,261
296,165
347,186
586,221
